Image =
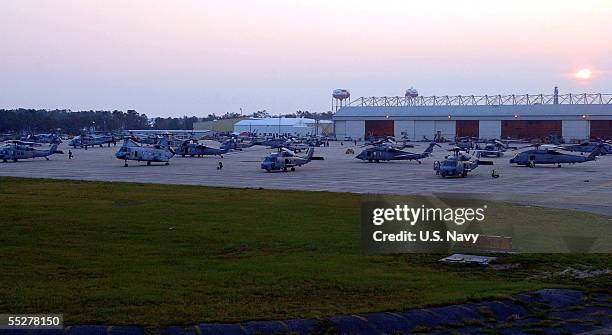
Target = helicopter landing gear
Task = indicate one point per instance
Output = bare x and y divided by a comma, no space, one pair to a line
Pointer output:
47,158
267,170
148,163
292,169
558,165
369,161
167,163
420,162
284,169
531,164
125,164
463,174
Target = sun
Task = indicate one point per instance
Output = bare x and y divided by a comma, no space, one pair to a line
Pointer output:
584,74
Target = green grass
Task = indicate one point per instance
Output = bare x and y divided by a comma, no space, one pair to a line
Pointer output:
123,253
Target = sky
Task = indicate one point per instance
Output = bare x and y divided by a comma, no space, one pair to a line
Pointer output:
198,57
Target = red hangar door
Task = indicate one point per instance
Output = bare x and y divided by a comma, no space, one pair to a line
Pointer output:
467,128
601,129
530,129
379,128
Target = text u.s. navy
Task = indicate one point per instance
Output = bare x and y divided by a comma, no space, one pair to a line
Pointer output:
425,236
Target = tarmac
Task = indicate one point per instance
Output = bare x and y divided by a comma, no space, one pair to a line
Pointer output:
586,186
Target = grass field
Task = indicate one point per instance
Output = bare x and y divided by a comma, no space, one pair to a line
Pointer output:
122,253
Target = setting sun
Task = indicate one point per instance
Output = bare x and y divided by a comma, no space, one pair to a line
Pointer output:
584,74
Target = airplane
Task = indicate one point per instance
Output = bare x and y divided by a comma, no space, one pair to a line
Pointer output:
536,156
457,165
389,153
286,159
131,150
588,147
195,149
16,152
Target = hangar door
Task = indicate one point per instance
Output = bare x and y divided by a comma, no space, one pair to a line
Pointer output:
530,129
601,129
379,128
467,128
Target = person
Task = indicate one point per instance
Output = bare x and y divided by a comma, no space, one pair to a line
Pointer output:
69,154
494,174
355,142
220,166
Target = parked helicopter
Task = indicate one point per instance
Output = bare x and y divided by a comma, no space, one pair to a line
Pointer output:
85,141
458,165
537,156
286,159
16,152
588,147
42,138
133,151
193,148
389,153
235,144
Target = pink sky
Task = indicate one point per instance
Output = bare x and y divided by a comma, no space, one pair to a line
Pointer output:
195,57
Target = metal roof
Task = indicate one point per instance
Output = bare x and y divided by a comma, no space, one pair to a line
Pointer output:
474,111
283,121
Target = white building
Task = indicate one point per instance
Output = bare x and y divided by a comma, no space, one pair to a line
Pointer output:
285,126
575,117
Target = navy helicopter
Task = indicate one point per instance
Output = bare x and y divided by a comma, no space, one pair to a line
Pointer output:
85,141
286,159
16,152
42,138
235,144
537,156
588,147
133,151
389,153
458,165
193,148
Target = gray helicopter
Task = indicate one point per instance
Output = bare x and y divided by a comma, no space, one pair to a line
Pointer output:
286,159
85,141
193,148
133,151
458,165
537,156
16,152
235,144
588,147
389,153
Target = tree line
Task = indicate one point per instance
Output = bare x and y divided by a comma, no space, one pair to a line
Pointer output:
72,122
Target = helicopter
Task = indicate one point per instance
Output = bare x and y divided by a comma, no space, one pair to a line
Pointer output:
536,156
16,152
489,150
42,138
131,150
389,141
286,159
195,149
84,141
587,147
389,153
457,165
235,144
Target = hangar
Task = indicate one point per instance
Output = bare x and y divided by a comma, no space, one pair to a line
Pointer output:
573,116
274,126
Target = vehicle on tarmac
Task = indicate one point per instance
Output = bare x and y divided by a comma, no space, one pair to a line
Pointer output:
539,155
285,159
389,153
15,152
458,165
194,149
133,151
